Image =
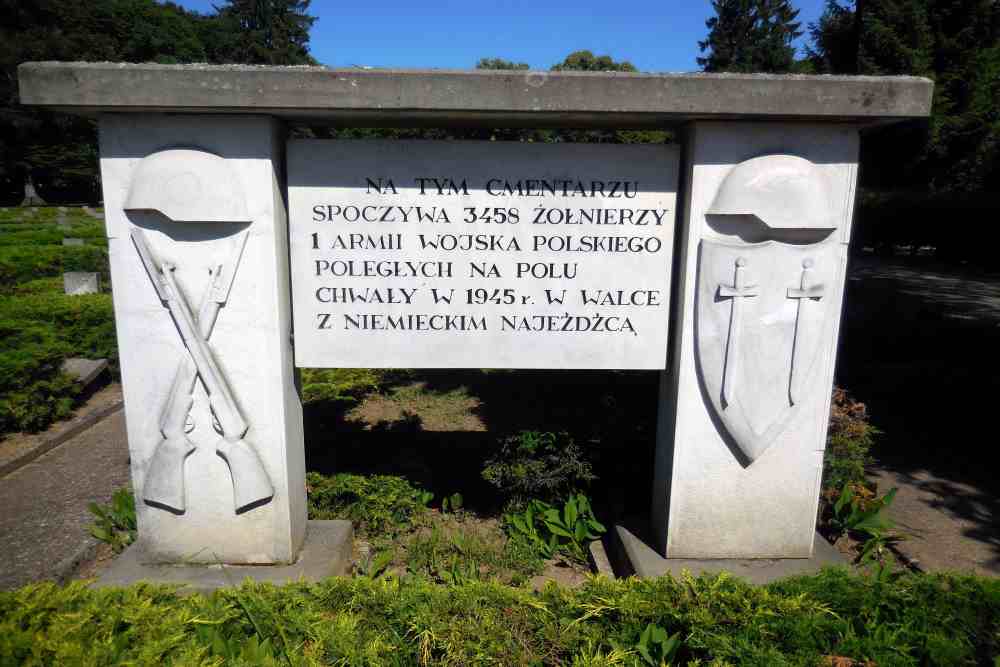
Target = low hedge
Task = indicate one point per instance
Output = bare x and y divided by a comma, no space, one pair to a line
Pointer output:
21,263
38,330
834,618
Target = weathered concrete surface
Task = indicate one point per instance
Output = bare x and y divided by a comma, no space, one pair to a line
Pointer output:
325,553
646,563
479,97
44,525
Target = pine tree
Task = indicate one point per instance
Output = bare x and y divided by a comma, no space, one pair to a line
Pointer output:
750,36
834,48
261,32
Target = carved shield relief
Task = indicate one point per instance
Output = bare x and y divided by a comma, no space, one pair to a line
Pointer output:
763,311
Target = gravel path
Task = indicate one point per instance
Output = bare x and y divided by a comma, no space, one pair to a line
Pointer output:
44,523
948,524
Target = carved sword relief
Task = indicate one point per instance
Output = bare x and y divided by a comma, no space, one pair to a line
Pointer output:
737,292
761,315
804,292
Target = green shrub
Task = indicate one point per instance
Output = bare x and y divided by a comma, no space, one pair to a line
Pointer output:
345,385
453,551
37,332
19,264
33,390
848,443
52,285
829,618
23,234
379,504
543,466
85,324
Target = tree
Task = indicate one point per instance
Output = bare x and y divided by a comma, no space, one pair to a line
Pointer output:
957,43
500,63
834,47
895,38
586,61
261,32
750,36
58,152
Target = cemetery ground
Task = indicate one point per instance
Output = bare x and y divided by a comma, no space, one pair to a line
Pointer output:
443,473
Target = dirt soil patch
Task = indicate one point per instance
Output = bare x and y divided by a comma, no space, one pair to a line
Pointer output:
449,410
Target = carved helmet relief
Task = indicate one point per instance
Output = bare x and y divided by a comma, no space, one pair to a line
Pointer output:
187,185
762,297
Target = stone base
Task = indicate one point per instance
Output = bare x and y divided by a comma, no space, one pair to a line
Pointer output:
325,553
636,557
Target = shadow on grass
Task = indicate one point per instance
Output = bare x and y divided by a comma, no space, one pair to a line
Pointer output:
611,414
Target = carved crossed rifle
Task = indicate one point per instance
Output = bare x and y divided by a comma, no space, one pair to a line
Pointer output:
165,479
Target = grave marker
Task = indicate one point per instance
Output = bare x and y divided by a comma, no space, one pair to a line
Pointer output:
76,283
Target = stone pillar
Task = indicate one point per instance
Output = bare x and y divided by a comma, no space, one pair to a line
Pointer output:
746,398
213,412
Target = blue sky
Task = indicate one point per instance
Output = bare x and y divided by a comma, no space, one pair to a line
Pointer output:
656,36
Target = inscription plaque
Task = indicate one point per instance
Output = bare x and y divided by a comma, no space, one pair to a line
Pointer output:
417,254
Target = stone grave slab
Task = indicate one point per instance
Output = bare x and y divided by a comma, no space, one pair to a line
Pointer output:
81,282
84,370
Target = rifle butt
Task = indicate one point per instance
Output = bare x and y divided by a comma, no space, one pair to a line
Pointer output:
251,485
164,483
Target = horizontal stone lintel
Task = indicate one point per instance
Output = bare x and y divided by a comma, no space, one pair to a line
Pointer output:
483,98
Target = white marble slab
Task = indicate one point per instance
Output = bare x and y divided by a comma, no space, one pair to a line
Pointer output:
481,254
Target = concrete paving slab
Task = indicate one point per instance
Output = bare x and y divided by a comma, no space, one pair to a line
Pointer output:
326,553
44,525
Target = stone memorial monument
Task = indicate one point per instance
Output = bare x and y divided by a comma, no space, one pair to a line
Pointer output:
719,261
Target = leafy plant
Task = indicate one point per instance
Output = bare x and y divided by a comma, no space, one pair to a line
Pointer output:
858,511
115,522
540,465
656,646
378,504
553,531
452,503
375,563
